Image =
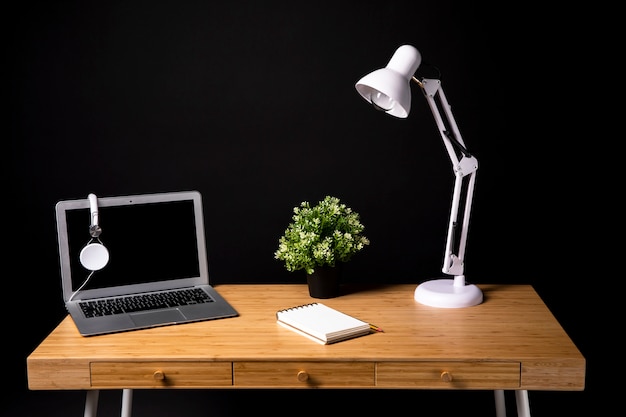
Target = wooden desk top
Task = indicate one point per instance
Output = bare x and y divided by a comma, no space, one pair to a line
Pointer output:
512,325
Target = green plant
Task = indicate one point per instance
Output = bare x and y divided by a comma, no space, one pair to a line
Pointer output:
321,235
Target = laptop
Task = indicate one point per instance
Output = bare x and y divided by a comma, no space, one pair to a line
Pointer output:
136,261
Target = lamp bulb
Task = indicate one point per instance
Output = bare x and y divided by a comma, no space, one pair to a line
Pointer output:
382,102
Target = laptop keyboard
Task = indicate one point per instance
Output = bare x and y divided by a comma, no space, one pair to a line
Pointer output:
143,302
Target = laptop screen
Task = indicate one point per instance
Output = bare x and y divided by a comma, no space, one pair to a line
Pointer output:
146,242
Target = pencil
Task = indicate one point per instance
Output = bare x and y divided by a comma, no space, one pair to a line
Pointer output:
375,328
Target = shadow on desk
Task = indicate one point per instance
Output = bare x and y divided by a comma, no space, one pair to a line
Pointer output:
226,403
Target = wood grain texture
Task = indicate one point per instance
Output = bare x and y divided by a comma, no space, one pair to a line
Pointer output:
512,328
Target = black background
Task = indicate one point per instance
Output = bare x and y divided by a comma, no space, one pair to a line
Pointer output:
253,104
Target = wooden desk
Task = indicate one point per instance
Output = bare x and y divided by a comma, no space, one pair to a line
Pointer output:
509,342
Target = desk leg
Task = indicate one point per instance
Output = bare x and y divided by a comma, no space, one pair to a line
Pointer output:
91,403
500,403
127,402
523,406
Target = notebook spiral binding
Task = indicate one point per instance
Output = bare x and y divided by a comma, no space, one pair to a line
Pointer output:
301,306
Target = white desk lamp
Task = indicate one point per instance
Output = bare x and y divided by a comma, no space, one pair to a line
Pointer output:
388,89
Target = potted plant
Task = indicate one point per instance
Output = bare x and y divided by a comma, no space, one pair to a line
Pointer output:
318,240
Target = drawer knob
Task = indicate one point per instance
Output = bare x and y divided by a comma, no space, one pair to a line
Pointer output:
446,376
303,376
159,375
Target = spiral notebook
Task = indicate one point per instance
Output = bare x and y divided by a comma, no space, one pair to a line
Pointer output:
321,323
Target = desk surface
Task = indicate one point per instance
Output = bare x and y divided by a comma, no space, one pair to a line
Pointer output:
510,341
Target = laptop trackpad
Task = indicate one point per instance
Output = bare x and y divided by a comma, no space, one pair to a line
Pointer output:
150,318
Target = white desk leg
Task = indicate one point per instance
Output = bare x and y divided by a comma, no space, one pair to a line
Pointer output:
500,403
127,402
523,406
91,403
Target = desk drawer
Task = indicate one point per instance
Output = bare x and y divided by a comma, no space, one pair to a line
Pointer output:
452,375
160,374
304,374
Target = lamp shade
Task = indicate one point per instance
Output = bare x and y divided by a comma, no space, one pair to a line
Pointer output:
388,89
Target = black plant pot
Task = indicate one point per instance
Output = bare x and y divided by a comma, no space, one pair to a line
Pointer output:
324,281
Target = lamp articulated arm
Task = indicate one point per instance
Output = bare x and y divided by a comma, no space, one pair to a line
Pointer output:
464,166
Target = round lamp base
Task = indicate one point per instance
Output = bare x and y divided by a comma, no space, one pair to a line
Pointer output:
444,293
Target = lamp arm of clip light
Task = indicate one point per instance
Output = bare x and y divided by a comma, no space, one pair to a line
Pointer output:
464,166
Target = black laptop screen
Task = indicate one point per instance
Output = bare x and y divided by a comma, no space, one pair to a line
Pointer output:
146,243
